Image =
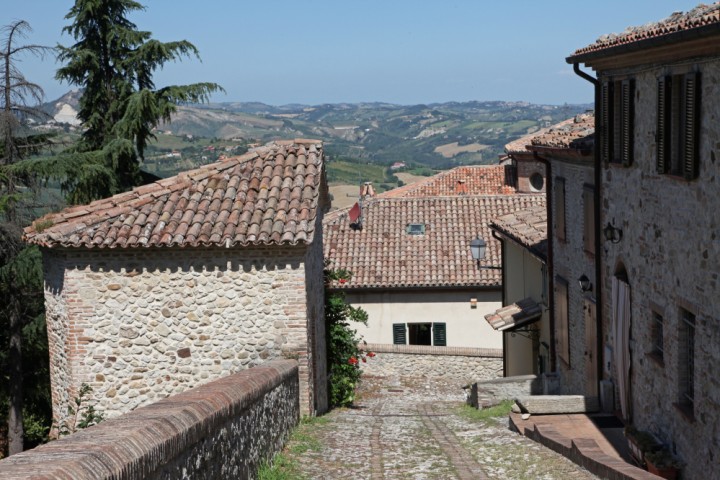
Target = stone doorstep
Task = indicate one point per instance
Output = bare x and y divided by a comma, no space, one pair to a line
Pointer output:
582,451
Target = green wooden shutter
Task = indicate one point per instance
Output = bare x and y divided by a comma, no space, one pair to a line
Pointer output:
627,119
664,89
691,126
439,336
399,335
606,121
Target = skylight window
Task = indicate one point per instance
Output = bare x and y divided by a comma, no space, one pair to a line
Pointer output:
415,229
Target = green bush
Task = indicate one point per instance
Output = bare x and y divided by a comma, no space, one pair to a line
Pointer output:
343,344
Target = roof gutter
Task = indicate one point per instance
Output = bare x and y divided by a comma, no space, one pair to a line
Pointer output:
598,252
550,266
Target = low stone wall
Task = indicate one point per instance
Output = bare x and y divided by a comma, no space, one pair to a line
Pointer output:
223,429
464,365
509,388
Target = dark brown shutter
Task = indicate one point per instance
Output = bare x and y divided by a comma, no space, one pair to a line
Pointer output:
628,116
691,126
606,120
559,201
664,88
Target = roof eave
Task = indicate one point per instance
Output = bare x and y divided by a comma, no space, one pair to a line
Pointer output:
645,44
562,151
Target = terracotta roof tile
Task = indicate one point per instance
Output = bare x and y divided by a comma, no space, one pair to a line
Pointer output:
700,16
527,226
236,201
466,180
515,315
383,255
574,133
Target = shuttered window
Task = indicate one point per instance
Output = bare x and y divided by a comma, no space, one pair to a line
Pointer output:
439,336
559,201
678,125
589,218
399,336
617,121
561,319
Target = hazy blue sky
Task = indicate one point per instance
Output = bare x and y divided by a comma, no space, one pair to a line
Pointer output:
399,51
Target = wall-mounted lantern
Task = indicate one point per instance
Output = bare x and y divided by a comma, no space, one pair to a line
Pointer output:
478,248
612,233
584,282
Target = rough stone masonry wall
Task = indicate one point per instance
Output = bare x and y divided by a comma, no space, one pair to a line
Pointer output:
570,262
139,325
464,365
221,430
671,252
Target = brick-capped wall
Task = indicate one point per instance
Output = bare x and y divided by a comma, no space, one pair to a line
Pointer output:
221,430
139,325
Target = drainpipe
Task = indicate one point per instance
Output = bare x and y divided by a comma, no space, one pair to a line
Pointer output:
550,268
598,231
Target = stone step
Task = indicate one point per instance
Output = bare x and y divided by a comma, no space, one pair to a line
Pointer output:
546,404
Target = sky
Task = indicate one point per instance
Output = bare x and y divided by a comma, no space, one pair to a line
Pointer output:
333,51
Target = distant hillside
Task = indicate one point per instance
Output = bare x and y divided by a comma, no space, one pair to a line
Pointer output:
438,136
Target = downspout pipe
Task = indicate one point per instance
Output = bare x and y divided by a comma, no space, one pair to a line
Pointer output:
550,267
598,231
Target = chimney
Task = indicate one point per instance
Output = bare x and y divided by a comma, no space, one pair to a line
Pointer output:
461,188
367,190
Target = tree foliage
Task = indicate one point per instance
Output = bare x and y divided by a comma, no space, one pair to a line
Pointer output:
343,343
24,392
19,103
114,63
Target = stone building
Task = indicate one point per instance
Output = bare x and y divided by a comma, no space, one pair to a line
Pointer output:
563,153
188,279
658,104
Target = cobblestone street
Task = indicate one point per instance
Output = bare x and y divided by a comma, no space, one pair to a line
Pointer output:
421,429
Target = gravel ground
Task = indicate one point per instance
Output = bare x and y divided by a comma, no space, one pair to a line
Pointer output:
416,429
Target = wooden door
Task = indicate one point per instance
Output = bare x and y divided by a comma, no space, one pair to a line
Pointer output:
591,353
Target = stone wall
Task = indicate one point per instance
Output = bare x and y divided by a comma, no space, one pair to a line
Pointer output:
570,262
464,365
221,430
139,325
510,388
670,250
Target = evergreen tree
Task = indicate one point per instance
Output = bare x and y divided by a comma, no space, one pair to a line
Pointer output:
114,62
23,339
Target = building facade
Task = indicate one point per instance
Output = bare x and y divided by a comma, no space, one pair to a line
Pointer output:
658,91
188,279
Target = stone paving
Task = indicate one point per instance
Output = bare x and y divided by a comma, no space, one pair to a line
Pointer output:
413,429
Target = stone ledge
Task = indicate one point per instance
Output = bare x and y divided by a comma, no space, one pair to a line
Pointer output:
582,451
428,350
148,439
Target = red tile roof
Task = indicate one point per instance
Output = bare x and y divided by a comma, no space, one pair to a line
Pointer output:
515,315
701,16
527,226
467,180
574,133
268,196
383,255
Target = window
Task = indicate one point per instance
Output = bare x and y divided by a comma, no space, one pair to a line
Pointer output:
415,229
537,182
617,118
561,317
678,125
589,218
686,374
657,336
559,202
420,334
